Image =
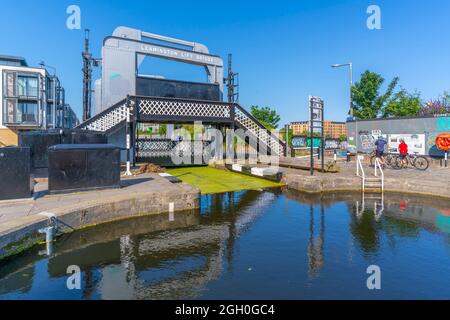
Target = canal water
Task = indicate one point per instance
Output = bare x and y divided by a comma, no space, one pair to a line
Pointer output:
268,244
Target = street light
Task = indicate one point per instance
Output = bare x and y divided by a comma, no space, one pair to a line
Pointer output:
351,83
43,65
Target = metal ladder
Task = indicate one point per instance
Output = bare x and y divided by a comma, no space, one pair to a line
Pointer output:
371,187
378,205
370,184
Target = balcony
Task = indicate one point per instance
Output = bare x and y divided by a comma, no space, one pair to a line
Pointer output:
23,114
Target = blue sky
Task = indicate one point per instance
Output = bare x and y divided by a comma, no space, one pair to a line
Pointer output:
282,49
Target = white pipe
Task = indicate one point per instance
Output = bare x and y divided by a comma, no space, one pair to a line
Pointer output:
49,234
128,142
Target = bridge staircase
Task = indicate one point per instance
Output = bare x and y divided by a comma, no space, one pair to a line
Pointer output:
173,110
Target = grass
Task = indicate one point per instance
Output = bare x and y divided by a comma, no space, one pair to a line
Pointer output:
210,180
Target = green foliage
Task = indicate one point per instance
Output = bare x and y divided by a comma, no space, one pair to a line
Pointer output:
368,103
290,135
342,138
189,128
403,104
446,98
162,129
308,134
267,116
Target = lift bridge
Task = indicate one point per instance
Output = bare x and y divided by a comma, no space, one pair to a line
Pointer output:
151,99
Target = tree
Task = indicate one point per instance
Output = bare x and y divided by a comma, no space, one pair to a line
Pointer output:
342,138
290,135
446,99
162,130
267,116
434,107
403,104
307,133
367,101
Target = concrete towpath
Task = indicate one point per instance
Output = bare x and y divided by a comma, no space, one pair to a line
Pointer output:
434,182
20,221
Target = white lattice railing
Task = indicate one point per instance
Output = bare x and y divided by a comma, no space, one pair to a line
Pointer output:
201,110
259,131
182,108
108,119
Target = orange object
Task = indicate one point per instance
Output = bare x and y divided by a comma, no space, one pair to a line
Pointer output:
443,142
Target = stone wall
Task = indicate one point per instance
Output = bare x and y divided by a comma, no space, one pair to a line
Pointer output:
360,132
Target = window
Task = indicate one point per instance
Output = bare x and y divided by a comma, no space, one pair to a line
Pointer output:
27,112
27,86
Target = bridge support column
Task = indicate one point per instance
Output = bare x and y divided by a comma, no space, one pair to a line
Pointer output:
128,138
169,131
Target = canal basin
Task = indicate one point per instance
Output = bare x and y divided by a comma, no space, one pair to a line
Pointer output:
268,244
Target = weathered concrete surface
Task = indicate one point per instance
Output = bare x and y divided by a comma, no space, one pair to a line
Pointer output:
141,195
433,182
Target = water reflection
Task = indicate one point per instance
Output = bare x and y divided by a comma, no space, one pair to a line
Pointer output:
316,242
201,254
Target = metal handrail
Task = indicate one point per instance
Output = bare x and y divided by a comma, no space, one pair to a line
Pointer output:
379,167
359,167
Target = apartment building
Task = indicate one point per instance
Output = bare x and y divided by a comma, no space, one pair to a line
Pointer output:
30,99
332,129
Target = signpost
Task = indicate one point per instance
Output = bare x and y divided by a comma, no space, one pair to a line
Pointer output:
316,125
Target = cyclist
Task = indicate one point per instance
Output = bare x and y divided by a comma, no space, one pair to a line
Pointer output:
403,149
379,151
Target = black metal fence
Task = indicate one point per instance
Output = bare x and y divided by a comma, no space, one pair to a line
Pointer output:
170,153
39,141
15,182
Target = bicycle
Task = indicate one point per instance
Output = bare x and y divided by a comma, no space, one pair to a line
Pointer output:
413,160
388,159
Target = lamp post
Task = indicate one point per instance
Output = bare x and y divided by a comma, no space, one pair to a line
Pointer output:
350,65
42,64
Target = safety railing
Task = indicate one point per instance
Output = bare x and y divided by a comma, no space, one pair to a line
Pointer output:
244,119
165,109
360,170
379,168
107,119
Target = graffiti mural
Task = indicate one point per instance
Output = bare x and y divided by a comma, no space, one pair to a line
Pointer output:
443,124
331,144
443,127
298,142
368,139
302,142
367,142
443,142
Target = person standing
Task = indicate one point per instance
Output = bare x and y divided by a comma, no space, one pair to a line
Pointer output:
403,149
379,150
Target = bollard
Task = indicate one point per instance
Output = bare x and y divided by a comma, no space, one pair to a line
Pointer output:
348,156
171,211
